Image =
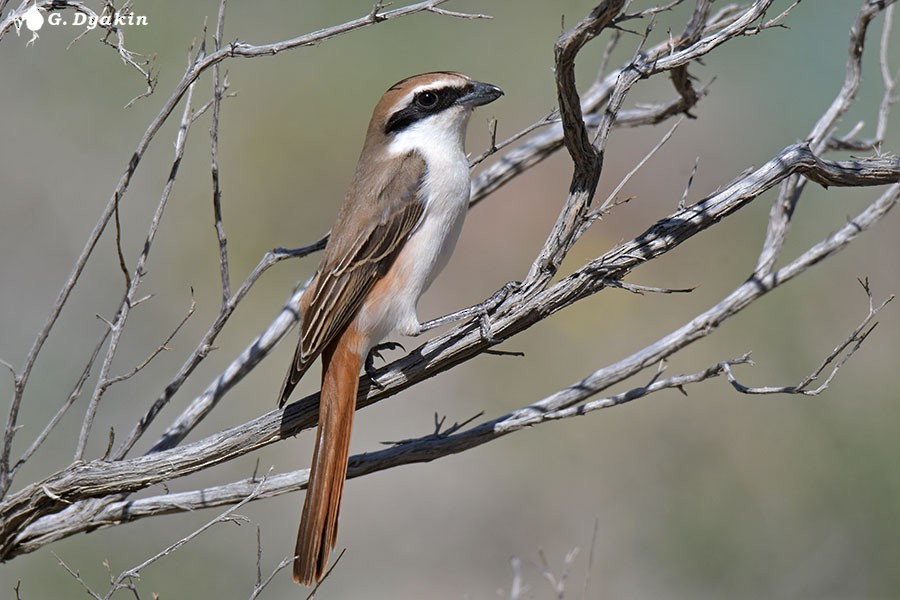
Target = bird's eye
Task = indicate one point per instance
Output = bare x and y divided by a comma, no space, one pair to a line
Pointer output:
427,99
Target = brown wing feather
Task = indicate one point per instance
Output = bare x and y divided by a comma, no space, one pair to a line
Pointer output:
355,258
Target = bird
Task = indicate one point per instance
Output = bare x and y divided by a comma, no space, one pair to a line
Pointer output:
395,231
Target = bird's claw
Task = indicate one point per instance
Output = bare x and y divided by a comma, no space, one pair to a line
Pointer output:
375,352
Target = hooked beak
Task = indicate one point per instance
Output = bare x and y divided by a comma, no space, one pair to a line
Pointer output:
481,93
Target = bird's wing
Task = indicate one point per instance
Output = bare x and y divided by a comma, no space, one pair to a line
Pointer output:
356,257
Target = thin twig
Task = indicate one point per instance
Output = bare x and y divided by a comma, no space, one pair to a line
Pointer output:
645,289
590,565
783,208
609,199
258,589
312,594
190,76
725,24
118,325
202,405
218,90
682,203
134,572
459,15
889,81
159,349
70,400
120,254
851,344
517,588
551,118
77,576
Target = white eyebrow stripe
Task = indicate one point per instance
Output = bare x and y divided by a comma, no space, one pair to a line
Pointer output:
433,85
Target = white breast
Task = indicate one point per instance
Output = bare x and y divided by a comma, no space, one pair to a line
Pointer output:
445,190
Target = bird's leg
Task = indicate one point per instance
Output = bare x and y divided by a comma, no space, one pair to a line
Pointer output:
374,353
479,310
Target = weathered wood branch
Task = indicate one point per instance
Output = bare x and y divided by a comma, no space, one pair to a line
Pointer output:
517,313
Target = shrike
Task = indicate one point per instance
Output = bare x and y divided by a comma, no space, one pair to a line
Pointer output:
394,233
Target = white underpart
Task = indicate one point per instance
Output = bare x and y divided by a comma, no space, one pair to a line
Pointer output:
440,141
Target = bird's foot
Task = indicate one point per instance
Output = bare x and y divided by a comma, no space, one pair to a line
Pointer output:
374,353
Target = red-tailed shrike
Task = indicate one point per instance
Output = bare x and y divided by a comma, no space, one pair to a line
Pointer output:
394,233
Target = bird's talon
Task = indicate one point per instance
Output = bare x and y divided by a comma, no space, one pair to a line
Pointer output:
374,353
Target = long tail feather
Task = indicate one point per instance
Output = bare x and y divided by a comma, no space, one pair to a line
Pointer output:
317,536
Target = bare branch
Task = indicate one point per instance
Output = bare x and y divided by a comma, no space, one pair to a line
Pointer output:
134,572
566,404
783,209
161,348
235,49
590,565
781,16
70,400
135,60
851,344
119,252
278,484
118,325
459,15
218,91
612,195
464,342
77,576
559,583
312,593
641,289
203,404
262,585
889,81
587,159
653,10
687,188
720,27
551,118
517,588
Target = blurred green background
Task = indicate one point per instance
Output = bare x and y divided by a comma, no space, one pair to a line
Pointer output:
713,495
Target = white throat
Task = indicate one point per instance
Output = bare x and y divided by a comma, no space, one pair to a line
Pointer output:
439,140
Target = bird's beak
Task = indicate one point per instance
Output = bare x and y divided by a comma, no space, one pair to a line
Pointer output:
481,93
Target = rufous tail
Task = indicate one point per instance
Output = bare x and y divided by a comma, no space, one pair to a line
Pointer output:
317,536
